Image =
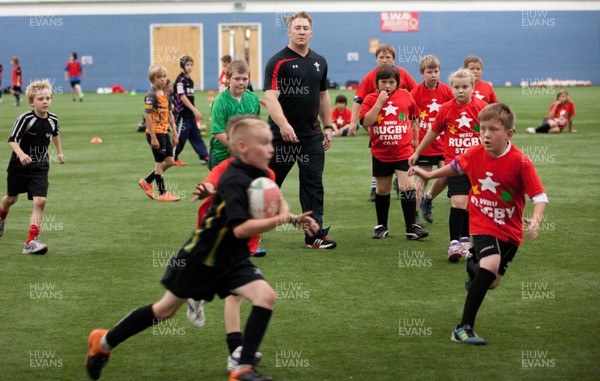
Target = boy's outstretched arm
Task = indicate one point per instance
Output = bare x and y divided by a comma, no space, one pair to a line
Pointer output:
446,171
255,226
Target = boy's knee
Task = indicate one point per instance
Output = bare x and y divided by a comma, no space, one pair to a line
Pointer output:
270,298
10,200
162,313
39,201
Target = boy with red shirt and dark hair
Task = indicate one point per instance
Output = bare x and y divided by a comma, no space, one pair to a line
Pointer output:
430,95
74,73
385,54
341,116
393,131
482,90
501,175
457,119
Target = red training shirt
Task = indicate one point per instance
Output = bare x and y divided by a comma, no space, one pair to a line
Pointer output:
429,102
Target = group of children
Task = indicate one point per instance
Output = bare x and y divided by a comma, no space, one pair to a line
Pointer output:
410,132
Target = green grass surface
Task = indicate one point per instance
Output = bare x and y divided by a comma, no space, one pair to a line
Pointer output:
359,312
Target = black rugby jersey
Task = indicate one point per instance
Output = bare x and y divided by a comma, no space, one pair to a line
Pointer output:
299,81
184,85
215,242
33,135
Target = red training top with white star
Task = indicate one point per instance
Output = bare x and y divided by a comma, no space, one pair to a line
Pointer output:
498,189
391,134
484,91
460,126
429,102
368,85
340,119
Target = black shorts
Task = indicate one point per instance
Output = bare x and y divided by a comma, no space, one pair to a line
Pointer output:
165,148
485,245
17,89
458,185
76,82
187,277
430,160
35,185
384,168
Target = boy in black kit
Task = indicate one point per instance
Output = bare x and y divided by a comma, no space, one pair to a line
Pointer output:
29,163
215,260
187,113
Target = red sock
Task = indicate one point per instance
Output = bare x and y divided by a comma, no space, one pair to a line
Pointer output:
3,214
253,243
34,231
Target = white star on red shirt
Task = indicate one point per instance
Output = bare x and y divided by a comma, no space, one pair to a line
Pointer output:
478,96
434,106
390,109
464,121
488,183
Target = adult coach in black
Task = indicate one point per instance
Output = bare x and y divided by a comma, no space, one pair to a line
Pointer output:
296,96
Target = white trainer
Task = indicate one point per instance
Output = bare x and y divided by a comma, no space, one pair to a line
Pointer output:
35,247
195,312
234,359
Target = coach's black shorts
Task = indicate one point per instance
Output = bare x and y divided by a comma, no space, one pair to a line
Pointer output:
485,245
35,185
187,277
430,160
458,185
383,168
75,82
165,148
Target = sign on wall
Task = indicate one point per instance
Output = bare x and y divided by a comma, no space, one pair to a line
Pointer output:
399,21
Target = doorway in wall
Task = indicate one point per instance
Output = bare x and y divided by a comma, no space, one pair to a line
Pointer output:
169,42
243,41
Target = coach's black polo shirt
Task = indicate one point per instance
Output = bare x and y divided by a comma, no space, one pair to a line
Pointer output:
299,81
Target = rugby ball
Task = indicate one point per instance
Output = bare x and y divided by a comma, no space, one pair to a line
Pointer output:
264,198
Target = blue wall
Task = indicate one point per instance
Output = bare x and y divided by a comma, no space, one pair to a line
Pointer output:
514,46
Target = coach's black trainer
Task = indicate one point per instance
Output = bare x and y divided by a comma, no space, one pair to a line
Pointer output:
416,232
320,241
381,231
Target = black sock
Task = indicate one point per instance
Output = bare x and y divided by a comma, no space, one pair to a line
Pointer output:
160,181
544,128
408,200
382,208
254,332
465,226
134,323
455,223
479,287
18,97
234,340
472,266
150,178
